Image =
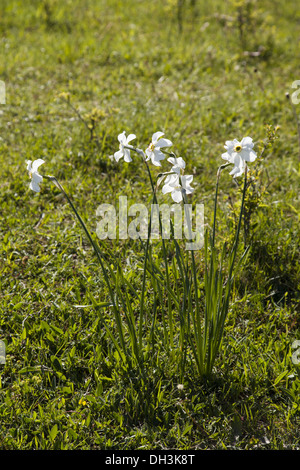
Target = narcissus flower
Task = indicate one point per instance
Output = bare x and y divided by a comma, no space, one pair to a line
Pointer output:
239,153
153,151
36,178
178,164
124,152
176,184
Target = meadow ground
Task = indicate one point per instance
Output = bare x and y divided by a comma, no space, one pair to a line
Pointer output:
78,73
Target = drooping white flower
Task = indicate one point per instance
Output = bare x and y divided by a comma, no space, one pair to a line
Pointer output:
36,178
178,164
238,153
153,151
123,151
176,184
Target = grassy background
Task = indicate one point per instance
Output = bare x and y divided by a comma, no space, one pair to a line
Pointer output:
202,72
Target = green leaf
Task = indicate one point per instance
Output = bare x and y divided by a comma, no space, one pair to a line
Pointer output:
53,432
57,330
18,305
280,377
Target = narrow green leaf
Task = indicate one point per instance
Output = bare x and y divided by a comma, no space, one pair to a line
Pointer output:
280,377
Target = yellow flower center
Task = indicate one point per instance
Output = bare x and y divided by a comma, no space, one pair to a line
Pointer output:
30,174
151,146
238,148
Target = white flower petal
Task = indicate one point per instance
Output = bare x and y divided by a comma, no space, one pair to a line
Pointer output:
131,137
252,156
186,183
237,171
35,187
119,154
236,159
228,156
248,155
177,195
167,189
171,182
230,144
127,157
156,157
35,182
36,164
155,162
180,162
122,137
189,190
172,160
247,142
163,143
156,136
186,179
29,167
176,169
36,178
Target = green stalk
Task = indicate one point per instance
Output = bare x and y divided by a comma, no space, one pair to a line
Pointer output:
216,197
217,301
195,315
164,254
141,318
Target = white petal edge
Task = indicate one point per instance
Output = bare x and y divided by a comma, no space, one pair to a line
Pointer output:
36,164
156,136
177,195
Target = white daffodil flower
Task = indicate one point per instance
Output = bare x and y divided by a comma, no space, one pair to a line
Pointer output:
124,152
153,151
175,184
238,153
178,164
36,178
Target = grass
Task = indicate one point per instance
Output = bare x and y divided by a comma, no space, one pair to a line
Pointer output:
211,73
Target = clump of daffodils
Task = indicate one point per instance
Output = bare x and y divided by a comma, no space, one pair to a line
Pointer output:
176,182
239,153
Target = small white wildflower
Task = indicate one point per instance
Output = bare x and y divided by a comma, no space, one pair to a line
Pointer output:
123,151
178,164
36,178
176,184
238,153
153,151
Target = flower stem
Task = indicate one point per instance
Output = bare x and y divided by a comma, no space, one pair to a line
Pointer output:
141,153
216,198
